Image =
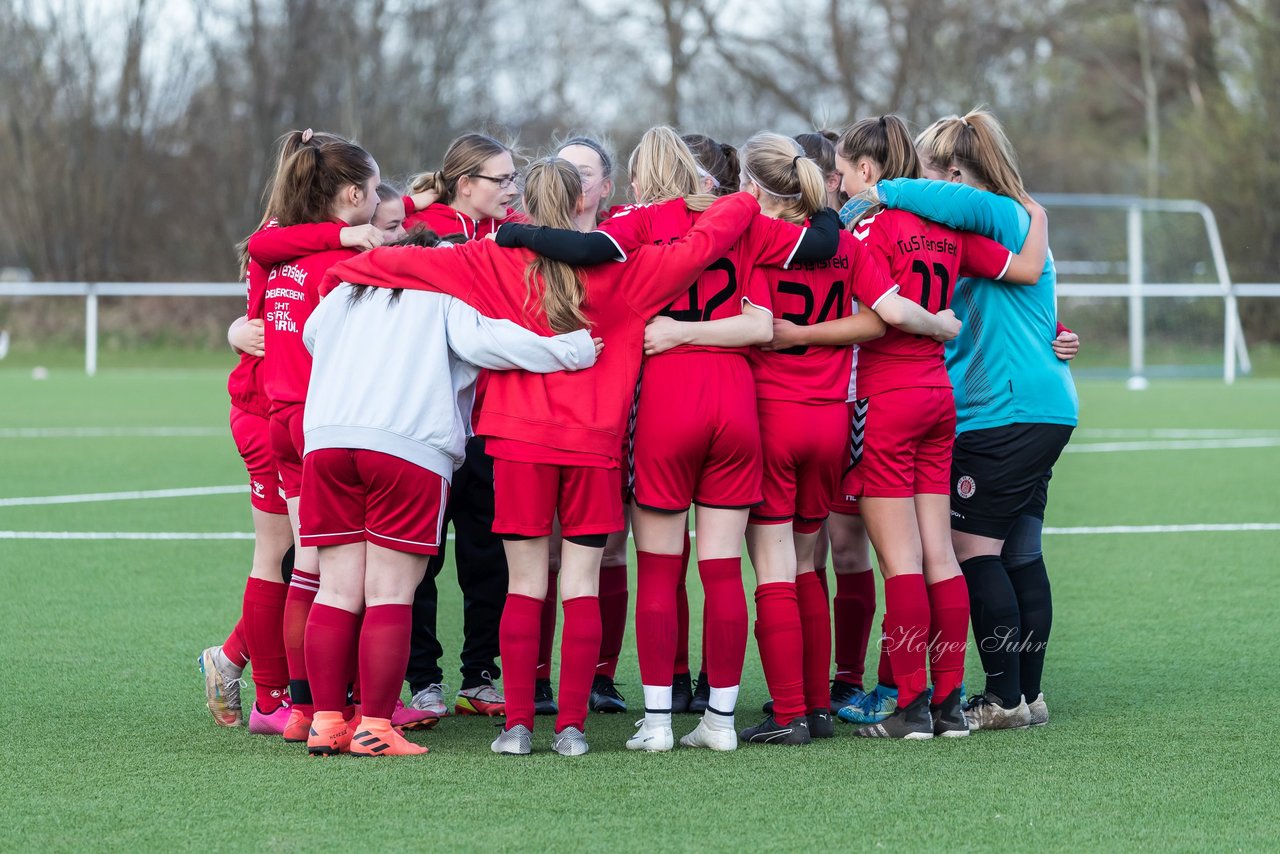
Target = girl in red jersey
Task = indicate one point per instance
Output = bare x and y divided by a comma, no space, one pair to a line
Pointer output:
695,436
854,603
326,180
557,438
473,189
594,163
258,633
901,474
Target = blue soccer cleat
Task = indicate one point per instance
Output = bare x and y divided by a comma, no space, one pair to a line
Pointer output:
872,707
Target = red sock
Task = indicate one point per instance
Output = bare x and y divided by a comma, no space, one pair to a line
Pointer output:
303,587
781,643
682,612
948,634
263,621
657,577
547,626
724,627
329,635
613,617
236,647
855,607
384,654
815,621
579,648
884,673
518,644
906,622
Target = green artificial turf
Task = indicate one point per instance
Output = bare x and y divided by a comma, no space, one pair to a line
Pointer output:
1159,679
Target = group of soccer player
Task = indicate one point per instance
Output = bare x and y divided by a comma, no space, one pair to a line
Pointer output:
820,343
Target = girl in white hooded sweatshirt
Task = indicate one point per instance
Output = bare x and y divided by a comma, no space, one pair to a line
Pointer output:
387,419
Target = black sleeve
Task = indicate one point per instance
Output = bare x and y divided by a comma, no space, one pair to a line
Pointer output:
822,238
562,244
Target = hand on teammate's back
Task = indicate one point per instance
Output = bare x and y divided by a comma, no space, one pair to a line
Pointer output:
950,325
661,334
1066,345
599,342
248,337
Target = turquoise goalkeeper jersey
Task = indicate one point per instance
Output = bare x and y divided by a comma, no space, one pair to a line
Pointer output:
1002,365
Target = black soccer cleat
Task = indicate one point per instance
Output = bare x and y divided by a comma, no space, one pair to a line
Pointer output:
842,694
681,694
544,700
821,724
767,708
605,697
770,731
701,695
948,717
909,723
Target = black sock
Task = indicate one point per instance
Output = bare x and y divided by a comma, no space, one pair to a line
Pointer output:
1035,606
993,607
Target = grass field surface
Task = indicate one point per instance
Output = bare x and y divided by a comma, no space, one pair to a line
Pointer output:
1160,678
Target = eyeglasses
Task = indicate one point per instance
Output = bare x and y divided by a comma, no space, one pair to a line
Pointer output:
503,181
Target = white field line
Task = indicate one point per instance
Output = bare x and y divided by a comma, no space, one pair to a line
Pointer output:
1171,445
1161,433
109,432
245,535
89,497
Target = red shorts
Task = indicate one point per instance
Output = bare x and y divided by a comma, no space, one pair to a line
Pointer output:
906,444
356,496
252,434
527,497
804,452
286,445
844,503
697,434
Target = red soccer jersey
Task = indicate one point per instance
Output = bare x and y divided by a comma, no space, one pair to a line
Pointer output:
925,259
580,412
809,293
292,291
273,245
719,291
444,220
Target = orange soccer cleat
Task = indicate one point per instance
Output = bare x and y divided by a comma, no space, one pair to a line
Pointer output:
376,737
329,735
298,727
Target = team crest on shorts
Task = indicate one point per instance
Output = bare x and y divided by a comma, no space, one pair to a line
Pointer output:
965,487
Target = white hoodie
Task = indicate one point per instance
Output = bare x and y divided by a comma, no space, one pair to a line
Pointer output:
398,377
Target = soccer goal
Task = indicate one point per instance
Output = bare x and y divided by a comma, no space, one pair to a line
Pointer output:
1149,276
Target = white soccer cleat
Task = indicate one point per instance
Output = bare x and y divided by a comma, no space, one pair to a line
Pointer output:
653,738
712,738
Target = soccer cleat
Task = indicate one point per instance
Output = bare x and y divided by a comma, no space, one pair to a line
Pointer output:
408,718
681,694
1039,711
570,741
712,737
376,737
769,731
605,697
767,708
544,700
843,694
948,717
431,700
261,723
871,707
298,727
985,712
701,695
652,737
483,699
329,735
221,686
821,724
910,723
517,741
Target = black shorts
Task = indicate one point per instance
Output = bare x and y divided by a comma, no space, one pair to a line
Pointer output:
1002,473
